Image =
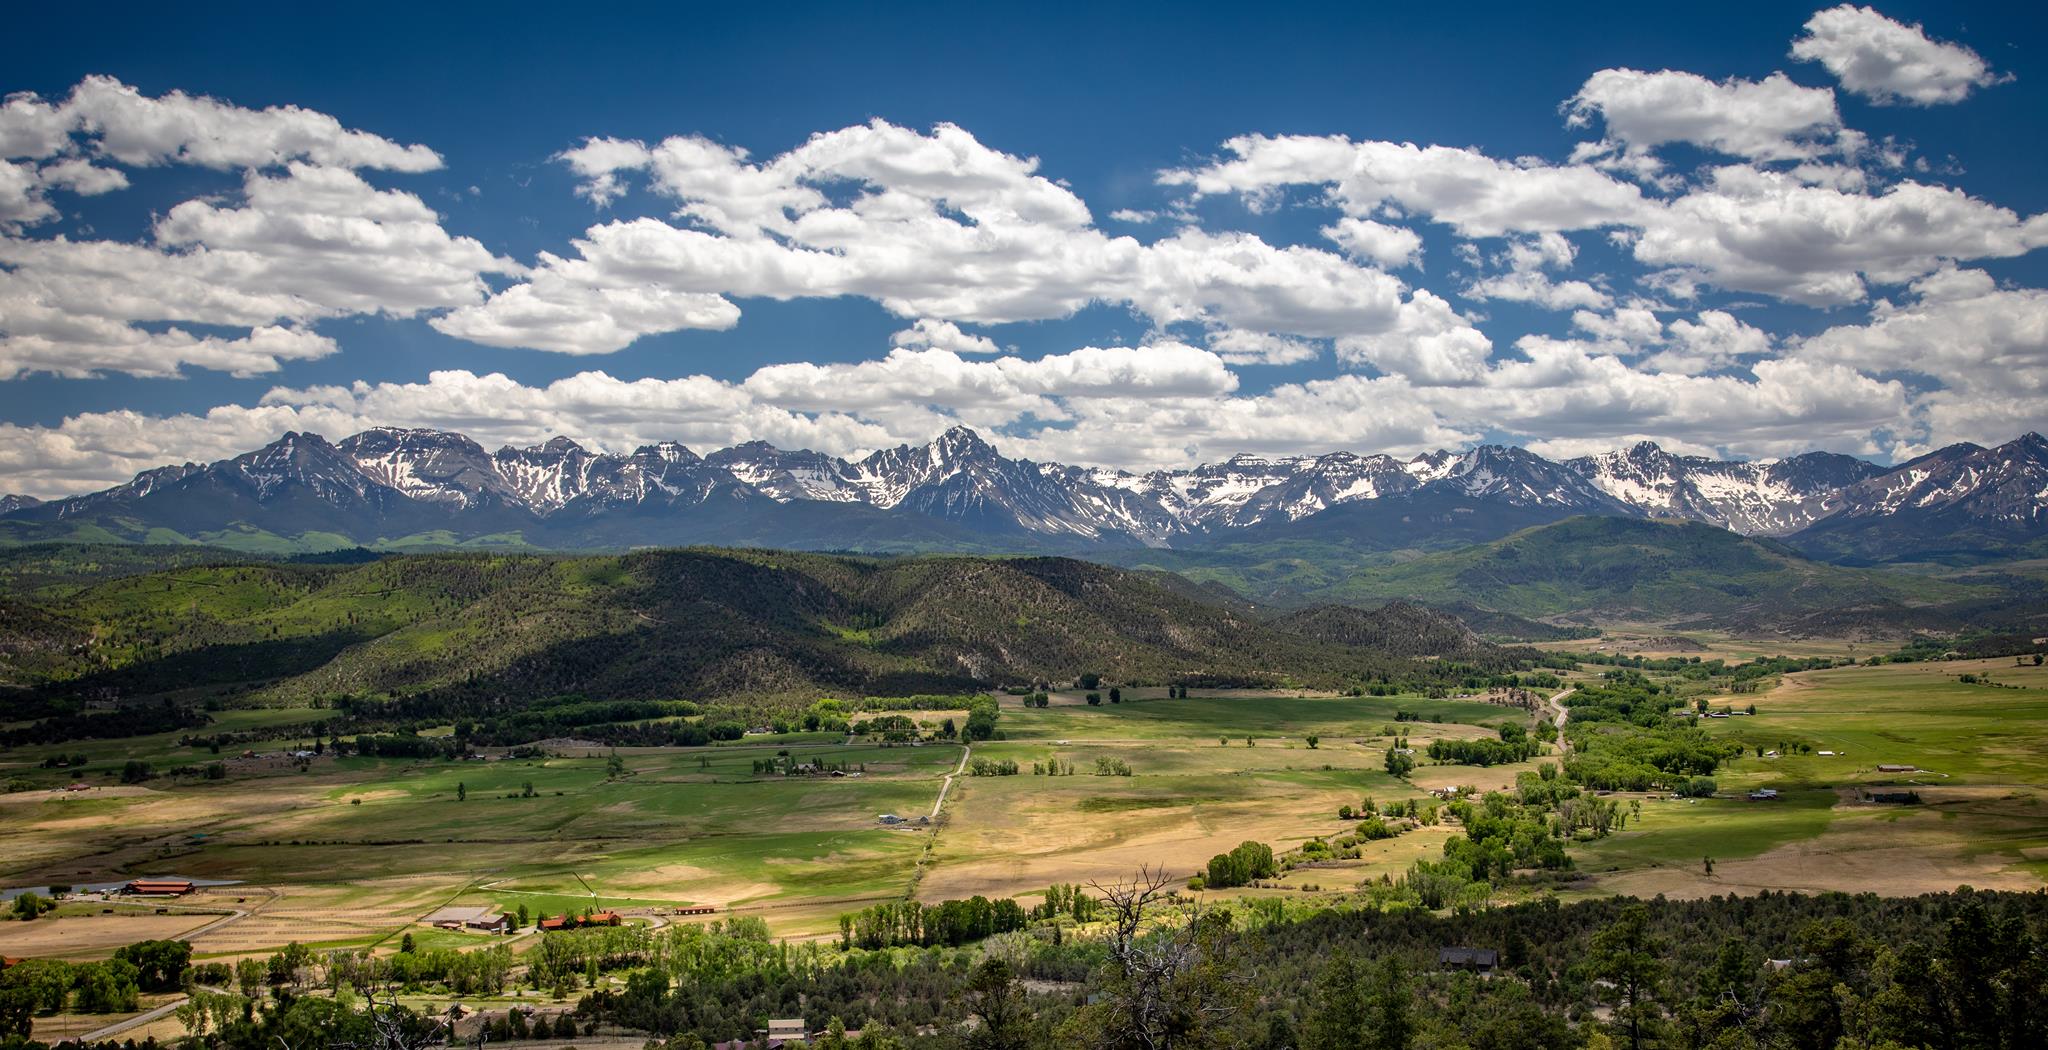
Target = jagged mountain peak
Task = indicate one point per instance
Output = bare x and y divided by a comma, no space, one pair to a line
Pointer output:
667,452
419,478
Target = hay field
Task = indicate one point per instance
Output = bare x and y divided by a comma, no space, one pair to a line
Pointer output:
351,852
1191,796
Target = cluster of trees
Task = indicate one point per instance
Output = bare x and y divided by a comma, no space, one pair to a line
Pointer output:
46,986
948,923
1483,752
1625,739
982,714
989,767
1065,899
1248,862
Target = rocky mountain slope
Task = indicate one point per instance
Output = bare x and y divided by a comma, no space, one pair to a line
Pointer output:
402,488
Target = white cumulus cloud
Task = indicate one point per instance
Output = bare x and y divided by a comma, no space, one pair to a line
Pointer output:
1887,61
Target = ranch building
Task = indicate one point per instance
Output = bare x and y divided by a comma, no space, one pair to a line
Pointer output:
158,887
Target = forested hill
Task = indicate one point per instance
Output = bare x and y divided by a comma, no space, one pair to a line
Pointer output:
657,624
1397,628
1594,569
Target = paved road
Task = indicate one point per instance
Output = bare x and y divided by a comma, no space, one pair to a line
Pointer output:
118,1027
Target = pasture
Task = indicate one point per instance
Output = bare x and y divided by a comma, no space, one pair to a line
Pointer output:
1980,758
350,852
1196,787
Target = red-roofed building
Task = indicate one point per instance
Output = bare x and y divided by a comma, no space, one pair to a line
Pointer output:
602,918
554,922
159,887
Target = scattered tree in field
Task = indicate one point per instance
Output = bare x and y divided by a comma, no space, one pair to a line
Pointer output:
1313,740
461,791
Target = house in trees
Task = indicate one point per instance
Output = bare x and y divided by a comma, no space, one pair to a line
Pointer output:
1474,960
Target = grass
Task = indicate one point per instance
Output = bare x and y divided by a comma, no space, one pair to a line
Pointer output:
1682,833
354,850
1911,714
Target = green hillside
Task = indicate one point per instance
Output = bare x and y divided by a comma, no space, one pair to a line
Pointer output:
1604,569
468,629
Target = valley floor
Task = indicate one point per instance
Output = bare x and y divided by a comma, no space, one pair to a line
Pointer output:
353,852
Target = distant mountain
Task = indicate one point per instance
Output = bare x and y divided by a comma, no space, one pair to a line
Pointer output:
1959,504
1775,498
11,502
406,489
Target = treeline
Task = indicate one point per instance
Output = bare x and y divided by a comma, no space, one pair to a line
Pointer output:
135,720
1483,752
1774,971
947,923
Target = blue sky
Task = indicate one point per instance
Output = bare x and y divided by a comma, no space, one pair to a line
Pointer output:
1626,230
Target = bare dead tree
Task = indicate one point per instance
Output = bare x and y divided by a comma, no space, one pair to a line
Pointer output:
1171,989
393,1027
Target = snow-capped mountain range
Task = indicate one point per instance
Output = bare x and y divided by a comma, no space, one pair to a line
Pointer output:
388,483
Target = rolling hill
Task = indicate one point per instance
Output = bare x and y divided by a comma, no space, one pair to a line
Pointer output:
1603,569
493,630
